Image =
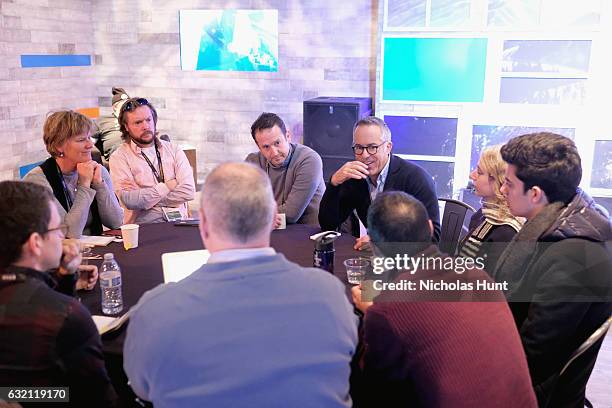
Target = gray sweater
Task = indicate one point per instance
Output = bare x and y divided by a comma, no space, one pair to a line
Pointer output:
298,185
79,218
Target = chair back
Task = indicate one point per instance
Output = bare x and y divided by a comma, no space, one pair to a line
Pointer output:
588,343
25,169
453,220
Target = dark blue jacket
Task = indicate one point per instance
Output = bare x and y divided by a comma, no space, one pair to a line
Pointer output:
339,201
561,293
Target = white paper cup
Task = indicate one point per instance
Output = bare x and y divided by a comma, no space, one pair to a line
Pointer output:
129,232
283,218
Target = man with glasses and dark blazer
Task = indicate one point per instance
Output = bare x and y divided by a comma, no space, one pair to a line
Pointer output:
355,185
152,177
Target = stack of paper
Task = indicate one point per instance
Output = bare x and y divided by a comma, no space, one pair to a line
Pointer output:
96,240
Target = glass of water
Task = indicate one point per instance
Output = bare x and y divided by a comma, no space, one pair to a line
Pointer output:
356,269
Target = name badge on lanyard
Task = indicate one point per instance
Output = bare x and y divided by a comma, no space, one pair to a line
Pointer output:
172,214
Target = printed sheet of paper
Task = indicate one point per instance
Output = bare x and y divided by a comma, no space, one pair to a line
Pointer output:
179,265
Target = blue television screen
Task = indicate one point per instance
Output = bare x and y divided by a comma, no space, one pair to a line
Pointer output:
442,174
570,57
601,175
423,135
490,135
434,69
229,40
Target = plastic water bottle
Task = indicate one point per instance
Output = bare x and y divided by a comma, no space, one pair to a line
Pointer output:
110,284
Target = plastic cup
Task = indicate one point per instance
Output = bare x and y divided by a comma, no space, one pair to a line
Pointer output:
129,232
356,269
86,251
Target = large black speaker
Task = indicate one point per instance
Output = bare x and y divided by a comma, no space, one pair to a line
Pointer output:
328,128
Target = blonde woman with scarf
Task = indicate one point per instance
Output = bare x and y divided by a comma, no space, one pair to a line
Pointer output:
492,226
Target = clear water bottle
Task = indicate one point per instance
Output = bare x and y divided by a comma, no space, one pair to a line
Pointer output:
110,284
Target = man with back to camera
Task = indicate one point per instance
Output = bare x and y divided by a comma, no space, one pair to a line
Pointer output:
558,268
455,348
355,185
152,177
295,170
107,131
47,337
249,328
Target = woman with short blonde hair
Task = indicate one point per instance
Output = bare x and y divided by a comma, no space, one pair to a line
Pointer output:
82,188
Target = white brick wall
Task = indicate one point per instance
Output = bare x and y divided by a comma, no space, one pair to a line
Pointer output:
27,94
325,49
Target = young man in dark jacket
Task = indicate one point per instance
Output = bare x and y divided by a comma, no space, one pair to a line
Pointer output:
558,268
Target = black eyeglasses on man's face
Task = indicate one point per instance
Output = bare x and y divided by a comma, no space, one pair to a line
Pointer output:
63,228
134,103
372,148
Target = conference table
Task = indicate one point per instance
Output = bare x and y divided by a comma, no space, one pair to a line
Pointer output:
141,269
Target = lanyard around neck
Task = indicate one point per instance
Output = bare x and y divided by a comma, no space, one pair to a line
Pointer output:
159,176
64,186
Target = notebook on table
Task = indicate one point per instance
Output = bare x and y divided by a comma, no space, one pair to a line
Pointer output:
179,265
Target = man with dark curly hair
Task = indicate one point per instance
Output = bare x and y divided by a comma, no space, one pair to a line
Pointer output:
558,268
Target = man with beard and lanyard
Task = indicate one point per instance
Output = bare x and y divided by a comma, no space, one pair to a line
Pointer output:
152,177
295,170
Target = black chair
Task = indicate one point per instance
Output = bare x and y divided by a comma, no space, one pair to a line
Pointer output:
453,220
593,342
588,343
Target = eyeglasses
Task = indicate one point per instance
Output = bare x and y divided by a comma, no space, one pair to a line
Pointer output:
372,149
63,228
134,103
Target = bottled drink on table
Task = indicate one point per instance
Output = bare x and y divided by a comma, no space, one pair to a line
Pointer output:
324,250
110,284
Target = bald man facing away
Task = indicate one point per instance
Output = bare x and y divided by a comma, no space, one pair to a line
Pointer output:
249,328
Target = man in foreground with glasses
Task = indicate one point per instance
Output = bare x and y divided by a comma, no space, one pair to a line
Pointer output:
152,177
47,338
355,185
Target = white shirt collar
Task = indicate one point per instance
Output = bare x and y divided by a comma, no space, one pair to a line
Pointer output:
380,182
231,255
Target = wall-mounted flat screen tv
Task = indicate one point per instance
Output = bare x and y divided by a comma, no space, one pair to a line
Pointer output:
490,135
434,69
423,135
229,40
